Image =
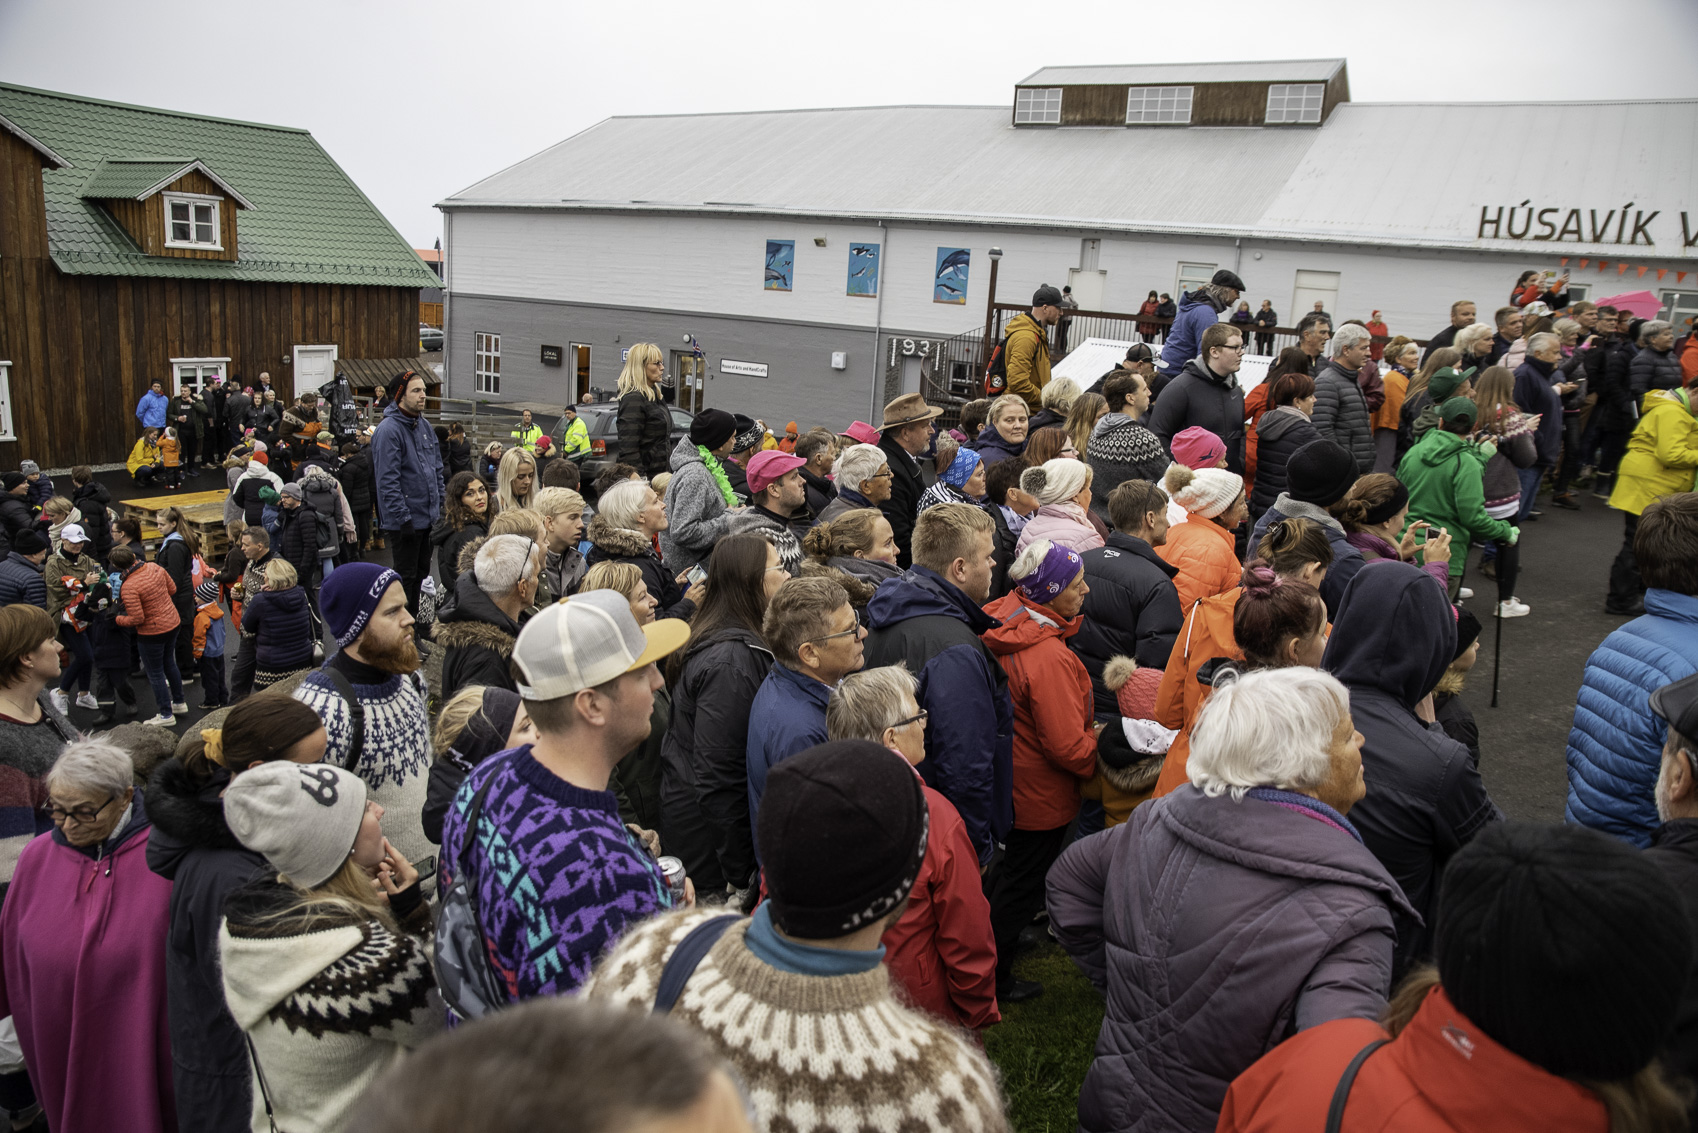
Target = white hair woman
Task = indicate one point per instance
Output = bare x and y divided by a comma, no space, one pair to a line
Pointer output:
645,428
628,518
1057,401
1062,488
941,951
82,951
325,960
477,630
1296,928
1474,343
862,475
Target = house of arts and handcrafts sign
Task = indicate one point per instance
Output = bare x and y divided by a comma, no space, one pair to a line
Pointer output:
1625,225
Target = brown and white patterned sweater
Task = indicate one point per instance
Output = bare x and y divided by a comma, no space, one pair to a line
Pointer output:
814,1053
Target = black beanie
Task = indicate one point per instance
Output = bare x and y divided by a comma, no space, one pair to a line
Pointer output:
1320,473
1467,629
842,835
712,428
1566,946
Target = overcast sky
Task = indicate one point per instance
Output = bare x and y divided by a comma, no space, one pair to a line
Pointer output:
418,100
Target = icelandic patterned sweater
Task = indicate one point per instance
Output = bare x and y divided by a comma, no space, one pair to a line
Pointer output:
395,755
816,1053
327,1006
559,878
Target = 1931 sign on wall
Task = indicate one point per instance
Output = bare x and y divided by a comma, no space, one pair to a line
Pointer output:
553,356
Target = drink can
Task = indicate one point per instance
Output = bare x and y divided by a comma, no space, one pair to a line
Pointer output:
673,868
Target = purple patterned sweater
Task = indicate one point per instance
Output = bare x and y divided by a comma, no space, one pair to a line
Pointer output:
559,878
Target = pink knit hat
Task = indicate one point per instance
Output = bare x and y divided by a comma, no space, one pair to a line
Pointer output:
867,435
1134,687
1196,447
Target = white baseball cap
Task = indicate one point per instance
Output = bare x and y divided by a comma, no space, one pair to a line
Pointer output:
73,533
588,640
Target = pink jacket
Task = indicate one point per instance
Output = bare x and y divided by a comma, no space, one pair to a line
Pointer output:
1063,523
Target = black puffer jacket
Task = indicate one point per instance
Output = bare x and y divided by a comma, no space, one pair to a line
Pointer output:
1281,431
448,544
478,638
1654,369
358,483
15,518
1341,414
611,544
645,434
91,500
705,754
1392,639
821,492
297,540
191,847
1199,396
1132,610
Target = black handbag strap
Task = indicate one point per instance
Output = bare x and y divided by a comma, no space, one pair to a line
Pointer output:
682,963
356,716
1341,1094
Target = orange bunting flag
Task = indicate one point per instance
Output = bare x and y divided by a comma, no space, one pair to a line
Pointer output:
1621,269
1602,264
1642,270
1564,261
1583,263
1660,273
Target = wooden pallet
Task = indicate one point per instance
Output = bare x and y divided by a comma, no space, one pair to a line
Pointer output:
146,509
203,513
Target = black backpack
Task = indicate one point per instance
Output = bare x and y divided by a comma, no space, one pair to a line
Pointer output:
996,370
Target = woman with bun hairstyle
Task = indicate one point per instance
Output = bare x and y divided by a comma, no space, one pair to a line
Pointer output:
1202,548
1062,488
192,847
859,542
325,958
1317,477
1373,513
1293,553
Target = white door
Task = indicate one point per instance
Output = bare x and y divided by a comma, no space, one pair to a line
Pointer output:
1312,286
314,366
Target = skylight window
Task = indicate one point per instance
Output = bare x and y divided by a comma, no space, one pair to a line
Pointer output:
1158,104
1037,106
1294,102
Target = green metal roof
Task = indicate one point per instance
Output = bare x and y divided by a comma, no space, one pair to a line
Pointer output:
309,223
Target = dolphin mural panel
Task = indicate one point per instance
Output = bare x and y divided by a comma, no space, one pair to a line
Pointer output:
950,283
863,270
780,264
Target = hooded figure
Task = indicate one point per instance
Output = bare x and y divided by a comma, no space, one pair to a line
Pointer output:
1393,637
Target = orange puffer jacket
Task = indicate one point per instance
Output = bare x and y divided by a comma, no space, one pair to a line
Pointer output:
1207,635
147,594
1207,560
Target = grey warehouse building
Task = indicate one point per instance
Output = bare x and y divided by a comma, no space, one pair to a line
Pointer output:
782,259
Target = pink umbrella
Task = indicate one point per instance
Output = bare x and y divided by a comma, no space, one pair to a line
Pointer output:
1643,304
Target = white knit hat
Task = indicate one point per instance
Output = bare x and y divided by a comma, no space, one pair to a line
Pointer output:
302,816
1055,480
1204,492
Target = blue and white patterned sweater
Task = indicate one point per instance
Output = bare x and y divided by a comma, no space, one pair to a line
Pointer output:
395,757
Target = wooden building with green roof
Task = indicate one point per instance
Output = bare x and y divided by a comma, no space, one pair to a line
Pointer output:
141,245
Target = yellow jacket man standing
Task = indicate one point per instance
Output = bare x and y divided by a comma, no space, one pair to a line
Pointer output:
525,436
1028,347
574,435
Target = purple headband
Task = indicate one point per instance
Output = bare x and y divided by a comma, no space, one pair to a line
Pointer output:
1054,574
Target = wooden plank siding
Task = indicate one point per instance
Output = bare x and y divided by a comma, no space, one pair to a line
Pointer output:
144,221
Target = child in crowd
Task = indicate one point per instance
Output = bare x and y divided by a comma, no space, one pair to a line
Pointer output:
210,628
40,487
171,456
112,642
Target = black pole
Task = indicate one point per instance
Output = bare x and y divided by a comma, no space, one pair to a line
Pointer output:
1497,651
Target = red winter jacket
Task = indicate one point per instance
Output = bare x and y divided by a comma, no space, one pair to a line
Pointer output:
942,952
146,594
1055,747
1442,1074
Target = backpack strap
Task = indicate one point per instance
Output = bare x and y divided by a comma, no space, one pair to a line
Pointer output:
684,959
1341,1094
356,715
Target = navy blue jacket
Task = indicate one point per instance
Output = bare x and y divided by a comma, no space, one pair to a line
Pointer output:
1615,746
1534,393
932,627
1394,636
408,465
787,716
1197,313
283,625
22,581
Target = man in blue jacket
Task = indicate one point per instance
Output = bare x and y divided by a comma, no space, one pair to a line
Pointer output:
1615,746
1198,311
815,638
930,620
408,466
150,410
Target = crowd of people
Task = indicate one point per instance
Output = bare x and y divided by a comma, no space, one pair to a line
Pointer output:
801,739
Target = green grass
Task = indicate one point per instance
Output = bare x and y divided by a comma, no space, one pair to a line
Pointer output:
1043,1046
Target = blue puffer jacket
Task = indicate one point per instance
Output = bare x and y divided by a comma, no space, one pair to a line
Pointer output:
930,625
1196,314
786,717
1615,747
408,465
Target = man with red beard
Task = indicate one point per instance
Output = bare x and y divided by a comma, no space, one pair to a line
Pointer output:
371,697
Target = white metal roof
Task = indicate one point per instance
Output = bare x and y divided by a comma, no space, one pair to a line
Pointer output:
1138,74
968,165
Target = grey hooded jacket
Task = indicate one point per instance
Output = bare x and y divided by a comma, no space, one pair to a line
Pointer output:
696,512
1216,929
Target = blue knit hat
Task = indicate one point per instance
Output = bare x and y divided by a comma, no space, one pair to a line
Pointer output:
961,469
349,597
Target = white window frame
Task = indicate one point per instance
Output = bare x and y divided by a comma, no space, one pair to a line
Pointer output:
1299,111
1147,106
486,348
201,365
1037,106
1187,272
193,200
7,433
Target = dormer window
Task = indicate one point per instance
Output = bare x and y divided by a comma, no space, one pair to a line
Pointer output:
1037,107
1294,102
1158,104
191,221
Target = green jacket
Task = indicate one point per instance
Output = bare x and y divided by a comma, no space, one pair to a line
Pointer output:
1445,475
